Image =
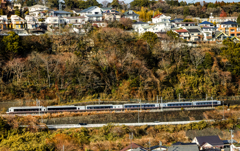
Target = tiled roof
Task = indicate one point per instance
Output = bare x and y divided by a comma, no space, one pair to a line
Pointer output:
185,23
193,30
229,22
127,13
206,22
158,15
181,31
213,140
61,12
183,148
181,143
88,9
134,146
157,146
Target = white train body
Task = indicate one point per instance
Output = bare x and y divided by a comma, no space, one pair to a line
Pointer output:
36,109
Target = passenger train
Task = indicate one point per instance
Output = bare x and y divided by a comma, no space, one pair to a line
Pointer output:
143,106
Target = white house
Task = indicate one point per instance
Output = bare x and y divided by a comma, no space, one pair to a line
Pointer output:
54,21
183,33
161,18
131,15
31,22
163,26
75,21
59,14
3,22
137,25
38,10
183,24
93,13
111,15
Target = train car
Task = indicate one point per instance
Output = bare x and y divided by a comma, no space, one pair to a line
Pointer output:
103,107
206,103
26,109
62,108
142,106
176,104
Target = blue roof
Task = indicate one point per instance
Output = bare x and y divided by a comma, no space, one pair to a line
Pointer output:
61,12
109,11
87,9
229,22
206,22
154,147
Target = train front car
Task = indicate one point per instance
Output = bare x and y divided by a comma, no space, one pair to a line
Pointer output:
206,103
68,108
26,110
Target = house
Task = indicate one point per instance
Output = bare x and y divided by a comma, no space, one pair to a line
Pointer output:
31,22
54,22
179,146
76,12
206,24
209,29
183,33
137,25
59,14
99,24
161,18
93,13
177,20
17,22
150,28
76,21
163,26
111,15
195,34
131,15
134,147
158,148
220,36
3,22
38,10
183,24
208,142
230,28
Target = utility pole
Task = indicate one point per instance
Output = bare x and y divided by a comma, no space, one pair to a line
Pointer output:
223,110
206,96
131,137
98,101
140,105
138,114
149,144
179,97
231,137
157,98
212,101
63,147
160,145
161,104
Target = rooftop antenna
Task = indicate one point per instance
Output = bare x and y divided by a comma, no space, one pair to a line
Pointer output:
60,5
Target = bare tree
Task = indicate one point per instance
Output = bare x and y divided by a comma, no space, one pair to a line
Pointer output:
197,57
105,3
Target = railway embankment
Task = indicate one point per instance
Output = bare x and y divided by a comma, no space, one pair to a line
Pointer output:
133,117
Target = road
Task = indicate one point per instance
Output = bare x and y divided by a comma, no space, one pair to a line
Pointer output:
64,126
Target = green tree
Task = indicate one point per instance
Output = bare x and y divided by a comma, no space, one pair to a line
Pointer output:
150,38
238,19
172,34
11,44
115,4
208,61
186,11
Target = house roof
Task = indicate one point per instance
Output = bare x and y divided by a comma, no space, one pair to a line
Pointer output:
183,148
127,13
61,12
218,33
181,31
229,22
106,8
228,141
177,19
77,17
158,15
88,9
37,6
157,146
185,23
111,11
134,146
181,143
206,22
193,30
94,15
213,140
140,22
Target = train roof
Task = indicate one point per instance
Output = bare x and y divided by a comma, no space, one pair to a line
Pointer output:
178,102
101,105
21,107
140,103
61,106
206,101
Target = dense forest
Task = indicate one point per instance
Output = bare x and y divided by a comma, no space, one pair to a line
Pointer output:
110,63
